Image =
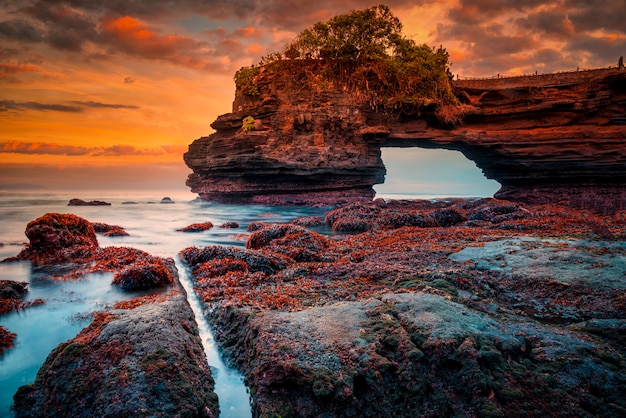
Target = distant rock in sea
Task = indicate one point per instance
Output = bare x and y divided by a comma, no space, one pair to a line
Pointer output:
198,227
229,224
167,200
80,202
129,203
109,230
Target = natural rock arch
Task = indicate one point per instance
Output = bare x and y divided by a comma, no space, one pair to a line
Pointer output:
553,138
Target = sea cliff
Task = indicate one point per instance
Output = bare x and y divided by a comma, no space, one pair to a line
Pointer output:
545,138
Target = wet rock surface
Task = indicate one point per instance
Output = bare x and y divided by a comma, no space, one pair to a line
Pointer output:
141,357
482,308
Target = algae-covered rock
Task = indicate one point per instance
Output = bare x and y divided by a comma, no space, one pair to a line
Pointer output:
146,361
417,354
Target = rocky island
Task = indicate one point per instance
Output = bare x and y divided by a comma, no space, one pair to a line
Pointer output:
298,135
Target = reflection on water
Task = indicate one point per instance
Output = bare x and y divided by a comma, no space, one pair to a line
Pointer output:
152,228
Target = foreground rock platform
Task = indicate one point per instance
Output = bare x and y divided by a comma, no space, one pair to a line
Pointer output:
141,357
547,138
429,309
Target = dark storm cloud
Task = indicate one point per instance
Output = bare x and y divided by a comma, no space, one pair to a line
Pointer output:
20,30
606,48
590,15
67,28
283,14
555,23
499,35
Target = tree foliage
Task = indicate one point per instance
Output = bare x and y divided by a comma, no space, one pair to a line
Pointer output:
366,50
363,34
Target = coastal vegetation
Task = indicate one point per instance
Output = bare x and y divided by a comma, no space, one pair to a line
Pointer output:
366,52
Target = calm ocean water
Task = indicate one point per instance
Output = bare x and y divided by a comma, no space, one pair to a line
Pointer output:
152,228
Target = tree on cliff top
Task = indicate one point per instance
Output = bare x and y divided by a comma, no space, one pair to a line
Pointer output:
366,50
361,35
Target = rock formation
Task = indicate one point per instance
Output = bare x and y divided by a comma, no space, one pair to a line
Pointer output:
462,307
140,357
547,138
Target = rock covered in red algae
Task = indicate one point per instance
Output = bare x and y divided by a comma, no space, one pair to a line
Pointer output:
146,274
229,224
307,221
255,226
144,361
58,237
109,230
142,358
291,240
197,227
6,339
388,322
80,202
12,299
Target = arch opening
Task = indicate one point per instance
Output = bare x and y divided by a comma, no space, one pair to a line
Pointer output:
423,173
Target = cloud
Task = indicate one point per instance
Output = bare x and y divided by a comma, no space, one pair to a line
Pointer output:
46,148
521,36
6,105
122,150
99,105
20,30
139,28
67,28
19,147
493,35
74,106
133,37
248,32
7,70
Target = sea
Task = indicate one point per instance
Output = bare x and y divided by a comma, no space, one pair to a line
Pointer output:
68,305
152,227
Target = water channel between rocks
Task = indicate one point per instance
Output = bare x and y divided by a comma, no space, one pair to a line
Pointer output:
233,394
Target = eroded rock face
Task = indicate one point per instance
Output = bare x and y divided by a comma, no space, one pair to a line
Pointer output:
550,138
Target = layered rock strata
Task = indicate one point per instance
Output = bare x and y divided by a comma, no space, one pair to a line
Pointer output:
549,138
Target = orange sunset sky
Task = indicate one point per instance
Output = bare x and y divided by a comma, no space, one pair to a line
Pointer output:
108,94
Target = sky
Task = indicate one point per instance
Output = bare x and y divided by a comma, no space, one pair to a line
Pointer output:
108,94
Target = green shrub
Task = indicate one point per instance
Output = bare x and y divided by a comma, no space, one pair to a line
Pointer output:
247,124
244,81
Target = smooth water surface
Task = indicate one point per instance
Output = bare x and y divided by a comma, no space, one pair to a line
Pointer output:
152,227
